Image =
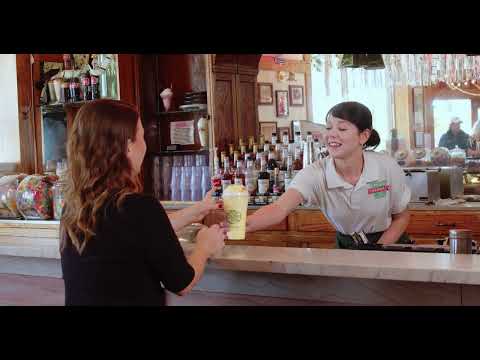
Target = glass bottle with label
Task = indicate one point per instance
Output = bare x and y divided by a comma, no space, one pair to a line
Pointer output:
75,89
297,163
276,187
288,174
274,139
291,148
86,90
216,179
254,151
231,150
251,181
258,161
263,179
261,141
243,151
272,163
251,142
227,176
266,148
239,177
285,139
236,157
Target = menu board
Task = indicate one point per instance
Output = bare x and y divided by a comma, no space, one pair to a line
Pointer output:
182,132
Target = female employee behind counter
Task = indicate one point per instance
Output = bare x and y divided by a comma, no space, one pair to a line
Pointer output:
359,192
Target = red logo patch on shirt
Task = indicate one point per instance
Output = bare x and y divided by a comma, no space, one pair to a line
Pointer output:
378,188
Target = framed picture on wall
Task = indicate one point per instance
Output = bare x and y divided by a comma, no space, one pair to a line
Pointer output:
267,129
281,97
265,93
296,95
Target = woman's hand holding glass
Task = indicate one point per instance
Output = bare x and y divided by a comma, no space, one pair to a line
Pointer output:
204,207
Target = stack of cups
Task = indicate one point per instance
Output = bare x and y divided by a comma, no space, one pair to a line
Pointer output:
206,185
157,180
186,178
197,178
167,162
175,183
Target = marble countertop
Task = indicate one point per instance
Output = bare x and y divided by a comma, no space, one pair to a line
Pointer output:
35,241
387,265
467,206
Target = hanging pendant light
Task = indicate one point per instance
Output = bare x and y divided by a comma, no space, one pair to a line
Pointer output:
372,62
350,61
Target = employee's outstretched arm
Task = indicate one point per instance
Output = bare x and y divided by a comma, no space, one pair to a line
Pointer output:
397,228
274,213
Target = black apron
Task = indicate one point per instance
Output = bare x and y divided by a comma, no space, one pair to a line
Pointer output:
346,241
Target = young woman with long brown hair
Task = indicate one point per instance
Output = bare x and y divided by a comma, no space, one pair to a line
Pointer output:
118,246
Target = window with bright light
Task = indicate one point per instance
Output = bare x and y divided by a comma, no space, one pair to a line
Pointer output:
365,86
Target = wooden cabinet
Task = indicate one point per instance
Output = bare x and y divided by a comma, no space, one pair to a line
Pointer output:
235,100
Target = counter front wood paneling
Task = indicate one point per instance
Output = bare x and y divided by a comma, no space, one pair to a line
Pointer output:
438,222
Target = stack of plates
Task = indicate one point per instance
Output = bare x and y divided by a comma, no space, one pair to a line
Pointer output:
193,107
191,98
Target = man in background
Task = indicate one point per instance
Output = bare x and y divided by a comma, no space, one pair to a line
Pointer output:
455,136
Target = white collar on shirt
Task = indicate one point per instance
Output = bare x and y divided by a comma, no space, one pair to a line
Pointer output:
370,172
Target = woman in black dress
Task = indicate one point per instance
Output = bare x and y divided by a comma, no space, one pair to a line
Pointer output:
118,246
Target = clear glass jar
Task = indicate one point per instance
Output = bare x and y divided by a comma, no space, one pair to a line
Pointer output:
457,157
35,197
58,199
8,191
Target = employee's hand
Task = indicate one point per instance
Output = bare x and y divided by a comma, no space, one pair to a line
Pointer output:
210,240
204,207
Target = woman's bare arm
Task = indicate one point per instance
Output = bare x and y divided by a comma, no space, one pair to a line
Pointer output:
274,213
397,228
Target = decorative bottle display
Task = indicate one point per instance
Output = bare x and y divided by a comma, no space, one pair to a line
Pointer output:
266,174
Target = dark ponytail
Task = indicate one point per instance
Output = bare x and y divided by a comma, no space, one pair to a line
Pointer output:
360,116
373,141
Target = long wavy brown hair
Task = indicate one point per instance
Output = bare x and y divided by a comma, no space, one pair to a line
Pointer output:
98,167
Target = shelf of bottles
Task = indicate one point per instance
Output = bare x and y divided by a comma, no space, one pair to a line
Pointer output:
266,168
80,79
76,83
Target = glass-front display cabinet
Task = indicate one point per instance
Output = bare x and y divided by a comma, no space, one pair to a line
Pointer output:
62,87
